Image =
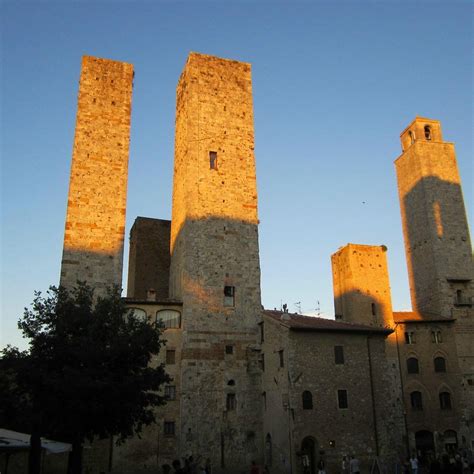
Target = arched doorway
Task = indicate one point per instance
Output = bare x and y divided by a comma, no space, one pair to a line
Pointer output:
424,442
308,455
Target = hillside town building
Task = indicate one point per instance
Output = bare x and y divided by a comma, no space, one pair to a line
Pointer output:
285,390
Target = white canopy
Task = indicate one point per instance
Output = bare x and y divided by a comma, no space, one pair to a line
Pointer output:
14,440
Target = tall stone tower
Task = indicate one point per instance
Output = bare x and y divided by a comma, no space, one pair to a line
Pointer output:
95,221
215,268
437,244
361,285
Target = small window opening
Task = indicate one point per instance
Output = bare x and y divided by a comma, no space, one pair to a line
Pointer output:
427,132
231,402
264,397
229,295
169,428
307,400
374,309
213,160
439,364
445,401
262,362
342,399
170,392
412,365
436,337
339,354
412,137
281,358
229,349
416,400
231,382
262,332
171,356
409,337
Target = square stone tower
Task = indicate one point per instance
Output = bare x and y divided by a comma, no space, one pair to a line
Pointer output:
437,243
95,221
215,268
361,285
435,229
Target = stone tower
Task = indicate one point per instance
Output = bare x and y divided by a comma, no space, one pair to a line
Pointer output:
362,296
435,229
149,259
95,221
437,244
215,268
361,285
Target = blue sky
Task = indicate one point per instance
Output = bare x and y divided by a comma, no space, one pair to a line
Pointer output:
334,85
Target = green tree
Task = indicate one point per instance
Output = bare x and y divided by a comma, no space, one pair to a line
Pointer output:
88,372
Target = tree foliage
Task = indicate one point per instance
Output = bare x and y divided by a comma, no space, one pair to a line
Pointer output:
88,372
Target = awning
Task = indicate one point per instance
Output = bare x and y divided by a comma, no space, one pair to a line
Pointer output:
14,441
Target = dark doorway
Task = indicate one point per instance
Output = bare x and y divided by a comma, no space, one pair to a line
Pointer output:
308,454
424,442
450,441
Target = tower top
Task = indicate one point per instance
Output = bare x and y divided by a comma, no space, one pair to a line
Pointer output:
421,128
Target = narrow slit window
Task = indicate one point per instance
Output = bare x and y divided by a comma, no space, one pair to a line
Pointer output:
213,160
231,402
229,295
339,355
342,399
281,358
374,309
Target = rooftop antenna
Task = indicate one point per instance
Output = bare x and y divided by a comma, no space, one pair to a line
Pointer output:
318,308
298,307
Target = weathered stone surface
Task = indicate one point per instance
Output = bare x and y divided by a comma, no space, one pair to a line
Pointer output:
149,259
95,221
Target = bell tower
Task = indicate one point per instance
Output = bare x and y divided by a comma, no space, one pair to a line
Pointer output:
435,229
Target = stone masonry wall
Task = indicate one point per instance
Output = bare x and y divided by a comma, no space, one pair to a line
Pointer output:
214,244
149,259
95,221
361,285
437,242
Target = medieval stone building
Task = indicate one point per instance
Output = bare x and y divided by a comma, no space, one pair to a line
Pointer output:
249,384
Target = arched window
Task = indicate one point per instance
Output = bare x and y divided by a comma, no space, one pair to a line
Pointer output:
412,137
268,449
445,401
427,132
416,400
169,317
138,313
440,364
412,365
307,400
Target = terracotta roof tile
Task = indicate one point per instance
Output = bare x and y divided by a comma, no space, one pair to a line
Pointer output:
313,323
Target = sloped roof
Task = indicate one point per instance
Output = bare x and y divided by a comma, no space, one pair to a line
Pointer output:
313,323
417,317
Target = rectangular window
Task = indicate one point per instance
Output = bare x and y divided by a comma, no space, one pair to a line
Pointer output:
410,338
171,356
229,295
262,362
168,428
170,392
436,337
213,160
342,398
281,357
262,332
229,349
339,354
231,402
